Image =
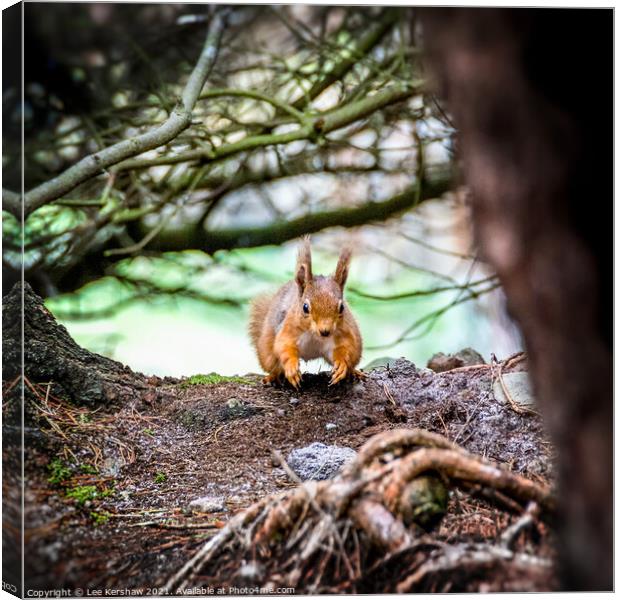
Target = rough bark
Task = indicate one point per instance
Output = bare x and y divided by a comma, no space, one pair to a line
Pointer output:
533,109
51,355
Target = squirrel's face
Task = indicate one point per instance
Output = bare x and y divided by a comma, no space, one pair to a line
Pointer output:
322,306
320,298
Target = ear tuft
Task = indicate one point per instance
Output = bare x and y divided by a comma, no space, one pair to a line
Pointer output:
303,271
300,278
342,268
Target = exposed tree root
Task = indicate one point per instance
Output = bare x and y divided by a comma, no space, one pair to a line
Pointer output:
325,535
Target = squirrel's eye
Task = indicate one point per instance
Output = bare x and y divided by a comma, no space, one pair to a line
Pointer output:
306,308
341,307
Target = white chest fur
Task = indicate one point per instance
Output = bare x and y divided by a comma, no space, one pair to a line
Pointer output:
312,346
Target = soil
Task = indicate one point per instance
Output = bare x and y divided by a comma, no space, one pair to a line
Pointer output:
174,441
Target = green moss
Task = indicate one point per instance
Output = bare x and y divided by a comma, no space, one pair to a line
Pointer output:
88,469
82,493
160,478
107,492
100,518
59,472
148,431
214,379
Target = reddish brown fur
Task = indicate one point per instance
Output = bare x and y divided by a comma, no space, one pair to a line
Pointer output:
282,333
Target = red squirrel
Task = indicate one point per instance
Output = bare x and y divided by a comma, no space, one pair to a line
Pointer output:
307,318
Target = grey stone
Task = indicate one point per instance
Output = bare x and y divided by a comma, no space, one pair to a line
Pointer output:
330,426
251,571
319,461
518,386
208,504
463,358
111,467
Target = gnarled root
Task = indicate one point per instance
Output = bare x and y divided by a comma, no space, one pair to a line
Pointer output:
324,535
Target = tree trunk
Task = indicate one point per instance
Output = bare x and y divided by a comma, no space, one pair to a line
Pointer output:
530,92
51,355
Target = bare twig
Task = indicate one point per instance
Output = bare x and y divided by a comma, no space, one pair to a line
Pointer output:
525,521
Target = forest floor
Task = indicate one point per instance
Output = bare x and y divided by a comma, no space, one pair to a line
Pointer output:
108,491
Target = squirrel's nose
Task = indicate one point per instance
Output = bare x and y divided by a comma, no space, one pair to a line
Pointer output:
324,332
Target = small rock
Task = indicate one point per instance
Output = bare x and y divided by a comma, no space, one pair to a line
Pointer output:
250,571
111,467
234,403
518,386
294,401
281,412
319,461
424,371
330,426
208,504
53,550
463,358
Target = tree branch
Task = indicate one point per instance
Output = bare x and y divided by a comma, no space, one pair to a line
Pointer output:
178,121
365,45
282,231
254,95
323,124
12,202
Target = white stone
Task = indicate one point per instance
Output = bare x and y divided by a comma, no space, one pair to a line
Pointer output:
208,504
518,386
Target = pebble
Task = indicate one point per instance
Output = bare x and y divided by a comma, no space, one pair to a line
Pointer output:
111,467
208,504
294,401
519,388
319,461
330,426
251,570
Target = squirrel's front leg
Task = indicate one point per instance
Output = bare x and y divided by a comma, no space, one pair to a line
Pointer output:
286,350
345,358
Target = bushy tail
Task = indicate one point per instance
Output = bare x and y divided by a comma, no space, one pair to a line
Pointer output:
259,308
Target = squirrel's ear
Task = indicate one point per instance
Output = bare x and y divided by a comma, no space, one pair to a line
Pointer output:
342,268
303,274
300,278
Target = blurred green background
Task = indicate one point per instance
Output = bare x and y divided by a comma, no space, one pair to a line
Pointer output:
154,260
179,335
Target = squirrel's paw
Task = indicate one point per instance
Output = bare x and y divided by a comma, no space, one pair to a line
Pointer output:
292,374
274,377
339,372
359,374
